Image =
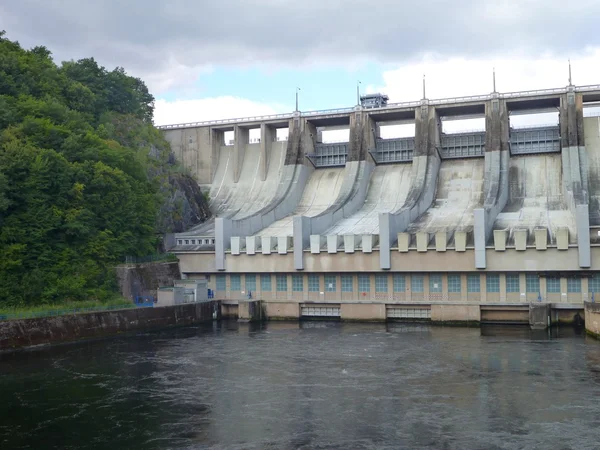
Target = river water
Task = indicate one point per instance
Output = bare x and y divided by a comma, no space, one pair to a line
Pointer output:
313,385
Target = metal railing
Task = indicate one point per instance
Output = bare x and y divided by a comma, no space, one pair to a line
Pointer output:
434,102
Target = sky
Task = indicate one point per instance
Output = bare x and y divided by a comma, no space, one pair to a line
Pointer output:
206,60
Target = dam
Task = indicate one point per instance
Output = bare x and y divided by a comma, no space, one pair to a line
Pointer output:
440,225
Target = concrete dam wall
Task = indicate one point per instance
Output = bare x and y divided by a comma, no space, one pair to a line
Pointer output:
492,219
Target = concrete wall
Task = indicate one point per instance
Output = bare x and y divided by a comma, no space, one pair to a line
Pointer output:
510,260
16,334
592,319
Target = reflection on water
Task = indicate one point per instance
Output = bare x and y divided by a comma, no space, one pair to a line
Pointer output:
309,385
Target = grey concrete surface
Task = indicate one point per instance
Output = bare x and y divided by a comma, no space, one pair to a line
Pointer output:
459,191
321,191
536,199
387,191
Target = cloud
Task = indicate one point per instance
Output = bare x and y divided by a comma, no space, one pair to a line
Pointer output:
461,76
198,110
170,43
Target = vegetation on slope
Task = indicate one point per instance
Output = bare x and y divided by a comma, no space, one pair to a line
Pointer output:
82,176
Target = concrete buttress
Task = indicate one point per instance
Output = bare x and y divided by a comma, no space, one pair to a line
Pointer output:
575,170
497,154
425,168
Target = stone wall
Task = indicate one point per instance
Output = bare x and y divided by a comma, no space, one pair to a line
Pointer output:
17,334
592,319
145,279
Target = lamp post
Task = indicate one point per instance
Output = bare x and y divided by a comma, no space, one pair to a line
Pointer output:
358,93
297,90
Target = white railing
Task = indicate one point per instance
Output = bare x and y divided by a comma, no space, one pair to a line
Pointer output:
411,104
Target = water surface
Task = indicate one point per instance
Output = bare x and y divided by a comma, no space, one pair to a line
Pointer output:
314,385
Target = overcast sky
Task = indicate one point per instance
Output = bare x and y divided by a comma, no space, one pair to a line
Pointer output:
233,58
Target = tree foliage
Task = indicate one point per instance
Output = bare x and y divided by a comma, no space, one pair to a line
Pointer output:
76,146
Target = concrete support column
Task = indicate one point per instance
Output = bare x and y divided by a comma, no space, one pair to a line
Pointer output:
564,294
216,141
301,140
575,169
585,288
502,287
495,178
543,288
239,149
522,287
360,132
267,135
424,174
464,295
222,240
482,287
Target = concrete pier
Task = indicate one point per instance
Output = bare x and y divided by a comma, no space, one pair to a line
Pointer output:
592,319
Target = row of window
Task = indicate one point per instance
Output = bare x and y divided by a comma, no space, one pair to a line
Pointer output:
513,285
195,241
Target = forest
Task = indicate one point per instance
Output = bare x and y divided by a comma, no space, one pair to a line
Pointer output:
77,145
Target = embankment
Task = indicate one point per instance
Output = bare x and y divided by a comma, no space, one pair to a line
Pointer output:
19,334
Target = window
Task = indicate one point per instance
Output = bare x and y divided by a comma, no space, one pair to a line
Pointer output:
265,283
364,283
416,283
594,283
532,283
381,282
346,283
513,283
473,280
250,282
399,283
435,283
454,284
235,283
330,285
187,241
281,283
297,283
221,285
553,285
573,284
313,283
179,242
492,282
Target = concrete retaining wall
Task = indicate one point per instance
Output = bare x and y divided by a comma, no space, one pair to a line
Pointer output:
17,334
592,319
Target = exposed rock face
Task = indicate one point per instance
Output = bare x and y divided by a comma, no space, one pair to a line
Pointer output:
184,207
145,279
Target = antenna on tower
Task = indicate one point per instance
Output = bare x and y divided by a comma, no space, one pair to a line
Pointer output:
424,96
494,78
570,79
